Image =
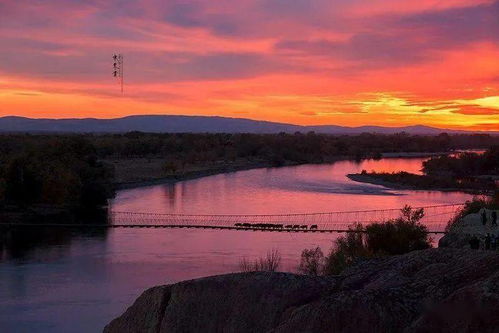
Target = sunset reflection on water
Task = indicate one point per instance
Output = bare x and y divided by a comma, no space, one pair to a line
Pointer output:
299,189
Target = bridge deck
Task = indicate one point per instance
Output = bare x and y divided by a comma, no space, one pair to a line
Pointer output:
173,226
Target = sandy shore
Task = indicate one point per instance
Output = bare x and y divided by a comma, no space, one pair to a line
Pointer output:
376,181
143,172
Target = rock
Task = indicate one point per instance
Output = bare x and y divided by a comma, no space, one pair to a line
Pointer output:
469,226
434,290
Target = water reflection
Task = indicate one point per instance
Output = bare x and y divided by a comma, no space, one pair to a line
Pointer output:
300,189
19,242
43,244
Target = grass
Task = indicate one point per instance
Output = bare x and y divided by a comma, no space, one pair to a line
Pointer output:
269,263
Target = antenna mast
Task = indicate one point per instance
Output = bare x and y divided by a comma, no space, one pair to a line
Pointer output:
118,68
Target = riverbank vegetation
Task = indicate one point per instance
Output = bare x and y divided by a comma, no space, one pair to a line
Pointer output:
147,157
478,173
393,237
380,239
464,165
80,170
53,172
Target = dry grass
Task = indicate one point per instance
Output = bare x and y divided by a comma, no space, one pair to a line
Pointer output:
269,263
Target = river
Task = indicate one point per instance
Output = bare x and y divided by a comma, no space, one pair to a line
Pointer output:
77,281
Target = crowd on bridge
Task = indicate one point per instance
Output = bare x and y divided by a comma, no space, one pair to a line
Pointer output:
274,226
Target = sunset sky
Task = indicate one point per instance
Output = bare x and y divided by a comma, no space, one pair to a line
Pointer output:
344,62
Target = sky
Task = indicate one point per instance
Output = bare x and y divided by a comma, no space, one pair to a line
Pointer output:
343,62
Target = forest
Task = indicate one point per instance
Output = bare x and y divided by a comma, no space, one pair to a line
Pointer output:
78,170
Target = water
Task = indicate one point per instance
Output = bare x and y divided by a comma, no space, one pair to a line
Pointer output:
76,281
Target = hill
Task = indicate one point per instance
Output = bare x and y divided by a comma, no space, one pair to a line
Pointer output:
192,124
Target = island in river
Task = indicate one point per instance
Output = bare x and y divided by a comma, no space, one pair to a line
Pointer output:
466,171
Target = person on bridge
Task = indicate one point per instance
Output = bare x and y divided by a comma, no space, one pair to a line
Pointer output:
493,216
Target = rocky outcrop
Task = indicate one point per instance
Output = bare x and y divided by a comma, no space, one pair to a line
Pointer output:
469,226
435,290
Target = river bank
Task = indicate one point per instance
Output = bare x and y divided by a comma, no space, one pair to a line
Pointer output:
139,172
157,178
135,173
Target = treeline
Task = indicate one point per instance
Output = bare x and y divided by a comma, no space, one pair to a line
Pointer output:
60,169
296,147
475,172
52,170
464,165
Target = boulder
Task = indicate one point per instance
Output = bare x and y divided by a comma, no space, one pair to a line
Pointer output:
460,233
434,290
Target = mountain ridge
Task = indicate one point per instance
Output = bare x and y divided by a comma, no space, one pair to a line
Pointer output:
197,124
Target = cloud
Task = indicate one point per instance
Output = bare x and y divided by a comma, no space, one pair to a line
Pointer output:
308,113
475,110
374,49
168,67
350,61
406,39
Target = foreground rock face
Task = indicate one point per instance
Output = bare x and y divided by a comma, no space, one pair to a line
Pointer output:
435,290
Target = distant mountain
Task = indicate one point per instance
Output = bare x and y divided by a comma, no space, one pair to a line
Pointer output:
191,124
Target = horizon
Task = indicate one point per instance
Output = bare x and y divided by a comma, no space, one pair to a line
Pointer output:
342,63
258,120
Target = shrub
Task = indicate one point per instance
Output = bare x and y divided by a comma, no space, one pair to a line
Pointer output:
398,236
346,250
312,262
392,237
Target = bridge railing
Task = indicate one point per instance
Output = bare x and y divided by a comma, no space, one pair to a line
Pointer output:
436,218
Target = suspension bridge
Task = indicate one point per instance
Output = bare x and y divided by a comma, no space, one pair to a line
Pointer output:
435,218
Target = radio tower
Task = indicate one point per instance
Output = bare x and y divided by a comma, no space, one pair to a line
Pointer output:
118,68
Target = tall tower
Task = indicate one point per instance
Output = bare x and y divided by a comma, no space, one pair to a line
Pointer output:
118,68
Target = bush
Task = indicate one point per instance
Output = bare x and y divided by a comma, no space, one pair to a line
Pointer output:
346,251
269,263
312,262
397,236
